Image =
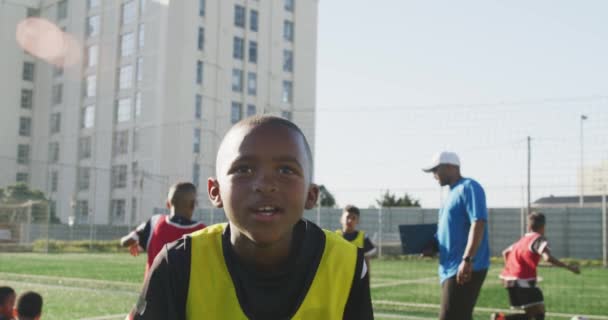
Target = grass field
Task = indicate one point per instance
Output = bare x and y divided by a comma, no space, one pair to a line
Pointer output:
105,286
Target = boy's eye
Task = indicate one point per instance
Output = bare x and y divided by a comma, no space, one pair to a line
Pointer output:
242,170
286,170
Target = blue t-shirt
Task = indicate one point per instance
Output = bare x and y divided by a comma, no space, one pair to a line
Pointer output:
465,204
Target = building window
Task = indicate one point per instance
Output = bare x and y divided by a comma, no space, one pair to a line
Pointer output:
136,142
133,210
84,148
88,117
123,110
137,104
238,48
289,5
120,145
288,60
196,144
31,12
134,173
57,72
81,212
252,83
28,71
236,112
118,211
199,72
55,123
92,4
91,86
251,110
140,70
25,126
23,154
286,114
196,173
128,12
84,178
239,16
201,38
22,177
253,52
54,152
92,55
125,77
288,31
142,7
57,93
201,8
27,98
119,176
127,47
287,96
237,80
141,36
93,26
198,106
54,180
62,9
253,20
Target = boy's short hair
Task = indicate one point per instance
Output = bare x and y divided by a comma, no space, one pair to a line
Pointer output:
536,220
29,304
178,190
352,209
5,292
261,120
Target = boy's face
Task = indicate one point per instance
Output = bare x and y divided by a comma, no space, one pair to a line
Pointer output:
349,221
263,182
6,309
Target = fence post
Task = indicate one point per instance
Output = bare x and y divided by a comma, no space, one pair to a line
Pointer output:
522,222
380,232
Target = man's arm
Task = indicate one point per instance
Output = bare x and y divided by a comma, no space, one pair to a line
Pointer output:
475,236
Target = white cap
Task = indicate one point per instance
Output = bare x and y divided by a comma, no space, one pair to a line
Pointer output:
444,157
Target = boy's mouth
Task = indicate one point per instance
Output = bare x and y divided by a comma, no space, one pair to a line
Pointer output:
266,213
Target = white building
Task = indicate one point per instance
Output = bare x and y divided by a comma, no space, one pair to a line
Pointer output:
159,84
595,178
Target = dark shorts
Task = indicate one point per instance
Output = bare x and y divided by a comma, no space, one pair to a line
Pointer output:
458,301
522,298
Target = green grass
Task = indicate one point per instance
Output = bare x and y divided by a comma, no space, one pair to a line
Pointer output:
79,286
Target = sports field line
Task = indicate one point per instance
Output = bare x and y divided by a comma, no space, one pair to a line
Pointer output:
59,286
110,317
56,278
398,316
400,282
436,306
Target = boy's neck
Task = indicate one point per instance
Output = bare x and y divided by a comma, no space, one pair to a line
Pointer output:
180,214
263,257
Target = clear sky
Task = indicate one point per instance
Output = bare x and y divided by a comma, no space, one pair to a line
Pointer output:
398,80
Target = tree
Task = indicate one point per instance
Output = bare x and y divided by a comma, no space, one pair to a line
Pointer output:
20,193
326,199
391,200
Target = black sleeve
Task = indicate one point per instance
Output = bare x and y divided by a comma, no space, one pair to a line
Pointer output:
359,304
166,285
368,246
143,233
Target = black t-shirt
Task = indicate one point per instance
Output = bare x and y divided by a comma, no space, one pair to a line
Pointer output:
275,295
368,247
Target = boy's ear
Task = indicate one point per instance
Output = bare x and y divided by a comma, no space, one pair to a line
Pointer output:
213,189
312,196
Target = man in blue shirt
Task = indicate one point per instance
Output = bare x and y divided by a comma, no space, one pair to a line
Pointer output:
462,238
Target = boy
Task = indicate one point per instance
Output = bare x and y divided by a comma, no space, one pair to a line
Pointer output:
29,306
266,263
7,303
161,229
519,274
350,220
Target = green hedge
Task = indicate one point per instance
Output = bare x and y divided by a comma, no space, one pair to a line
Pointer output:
78,246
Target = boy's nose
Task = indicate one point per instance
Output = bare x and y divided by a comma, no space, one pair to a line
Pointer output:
265,183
